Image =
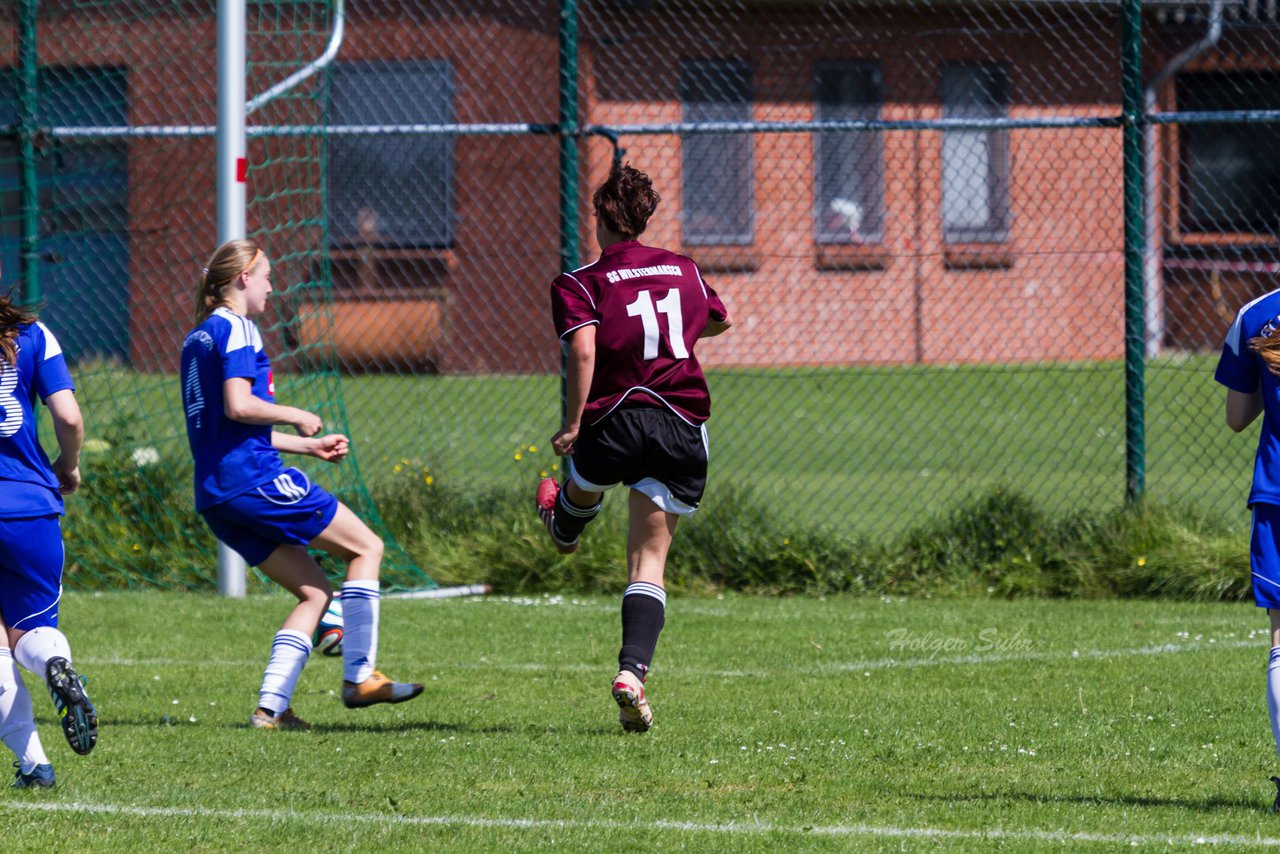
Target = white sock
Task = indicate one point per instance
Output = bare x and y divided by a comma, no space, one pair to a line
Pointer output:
289,653
17,721
37,646
1273,695
360,629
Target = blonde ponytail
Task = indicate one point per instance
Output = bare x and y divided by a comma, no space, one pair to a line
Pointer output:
228,261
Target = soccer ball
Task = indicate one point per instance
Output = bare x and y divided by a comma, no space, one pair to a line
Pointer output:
328,636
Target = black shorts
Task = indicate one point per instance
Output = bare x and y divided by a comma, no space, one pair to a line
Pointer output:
650,450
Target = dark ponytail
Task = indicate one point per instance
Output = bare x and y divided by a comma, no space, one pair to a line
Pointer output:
625,201
11,317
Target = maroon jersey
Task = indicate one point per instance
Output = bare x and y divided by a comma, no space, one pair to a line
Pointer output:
650,306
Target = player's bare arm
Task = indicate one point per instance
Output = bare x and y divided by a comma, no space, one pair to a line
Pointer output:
68,428
579,370
716,327
1242,408
243,406
332,447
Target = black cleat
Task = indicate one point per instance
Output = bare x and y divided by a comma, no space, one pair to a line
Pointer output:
79,718
1276,806
40,777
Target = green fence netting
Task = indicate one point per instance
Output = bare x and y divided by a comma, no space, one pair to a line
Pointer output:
915,211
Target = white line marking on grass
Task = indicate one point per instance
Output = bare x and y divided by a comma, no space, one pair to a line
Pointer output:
163,662
744,828
1057,655
817,669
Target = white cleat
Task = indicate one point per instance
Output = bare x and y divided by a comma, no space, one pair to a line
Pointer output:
633,709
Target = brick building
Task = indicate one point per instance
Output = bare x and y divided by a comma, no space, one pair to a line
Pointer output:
832,248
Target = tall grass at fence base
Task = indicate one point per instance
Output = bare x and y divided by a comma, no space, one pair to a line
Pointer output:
997,544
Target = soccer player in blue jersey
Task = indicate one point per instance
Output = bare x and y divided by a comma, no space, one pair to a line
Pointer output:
1250,369
31,550
268,513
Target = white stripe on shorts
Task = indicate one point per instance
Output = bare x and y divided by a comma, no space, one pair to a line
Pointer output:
289,488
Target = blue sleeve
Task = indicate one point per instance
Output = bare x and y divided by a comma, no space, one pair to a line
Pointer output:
1238,366
237,351
51,373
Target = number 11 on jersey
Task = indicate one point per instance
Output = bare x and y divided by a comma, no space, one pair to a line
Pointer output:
648,311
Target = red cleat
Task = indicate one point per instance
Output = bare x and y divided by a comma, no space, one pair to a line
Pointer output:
548,490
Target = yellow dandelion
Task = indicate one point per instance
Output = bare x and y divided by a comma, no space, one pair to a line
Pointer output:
428,479
533,449
399,468
555,467
544,473
137,548
518,456
786,541
403,461
1142,561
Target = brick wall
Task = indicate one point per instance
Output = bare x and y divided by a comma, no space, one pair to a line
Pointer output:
1053,290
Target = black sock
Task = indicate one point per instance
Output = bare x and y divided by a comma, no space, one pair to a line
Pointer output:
570,519
644,608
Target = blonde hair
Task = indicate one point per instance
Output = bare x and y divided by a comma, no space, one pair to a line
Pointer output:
11,317
227,262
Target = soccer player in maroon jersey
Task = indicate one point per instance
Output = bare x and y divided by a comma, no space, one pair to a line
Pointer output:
635,411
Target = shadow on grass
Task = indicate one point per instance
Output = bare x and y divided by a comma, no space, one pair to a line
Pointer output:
530,731
1207,805
355,726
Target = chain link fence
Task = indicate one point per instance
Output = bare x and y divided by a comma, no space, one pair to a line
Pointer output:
915,212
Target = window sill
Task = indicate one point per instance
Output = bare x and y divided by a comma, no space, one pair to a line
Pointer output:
374,274
444,257
847,256
978,256
1221,238
724,259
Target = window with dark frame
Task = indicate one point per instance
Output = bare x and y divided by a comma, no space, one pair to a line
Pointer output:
83,182
391,191
1228,174
716,168
975,163
848,165
82,187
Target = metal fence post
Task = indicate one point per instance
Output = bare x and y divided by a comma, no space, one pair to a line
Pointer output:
568,154
231,168
1135,122
29,245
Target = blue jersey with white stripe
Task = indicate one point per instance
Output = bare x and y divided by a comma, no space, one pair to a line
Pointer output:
1242,370
28,486
230,457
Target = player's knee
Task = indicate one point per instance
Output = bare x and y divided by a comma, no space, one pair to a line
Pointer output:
316,596
580,496
372,547
323,596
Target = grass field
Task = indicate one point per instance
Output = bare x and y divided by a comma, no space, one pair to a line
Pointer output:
866,451
782,724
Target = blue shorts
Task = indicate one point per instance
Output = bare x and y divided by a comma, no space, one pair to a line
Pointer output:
1264,555
31,557
289,510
